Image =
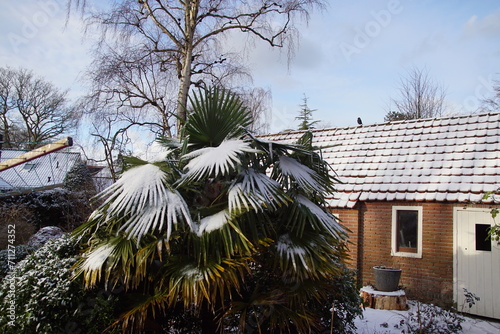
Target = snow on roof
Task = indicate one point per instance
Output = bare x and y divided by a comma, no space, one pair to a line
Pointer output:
455,159
45,172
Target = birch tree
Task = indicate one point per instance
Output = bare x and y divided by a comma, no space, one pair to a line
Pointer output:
187,35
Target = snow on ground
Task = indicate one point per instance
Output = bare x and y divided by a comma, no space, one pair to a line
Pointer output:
383,322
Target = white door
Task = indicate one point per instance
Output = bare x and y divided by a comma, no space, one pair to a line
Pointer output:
477,266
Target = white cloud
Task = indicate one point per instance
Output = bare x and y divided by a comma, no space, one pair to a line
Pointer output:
456,41
36,37
489,26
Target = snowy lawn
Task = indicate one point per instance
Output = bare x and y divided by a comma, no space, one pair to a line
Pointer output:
384,322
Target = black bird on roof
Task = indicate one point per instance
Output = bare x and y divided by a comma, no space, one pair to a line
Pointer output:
360,122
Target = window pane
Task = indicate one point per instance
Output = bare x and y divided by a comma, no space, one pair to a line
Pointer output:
407,229
29,166
483,241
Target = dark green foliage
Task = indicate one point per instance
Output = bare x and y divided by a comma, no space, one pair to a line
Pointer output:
219,115
345,301
305,116
393,116
58,207
267,299
44,298
79,178
13,257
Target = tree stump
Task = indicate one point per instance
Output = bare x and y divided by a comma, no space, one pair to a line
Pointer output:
382,300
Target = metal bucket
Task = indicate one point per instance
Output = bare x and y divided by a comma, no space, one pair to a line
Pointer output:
386,278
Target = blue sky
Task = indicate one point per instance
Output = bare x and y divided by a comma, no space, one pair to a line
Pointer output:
349,61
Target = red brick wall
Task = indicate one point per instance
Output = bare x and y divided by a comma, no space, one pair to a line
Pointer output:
349,218
430,278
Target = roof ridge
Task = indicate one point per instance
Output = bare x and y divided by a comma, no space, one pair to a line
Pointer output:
408,121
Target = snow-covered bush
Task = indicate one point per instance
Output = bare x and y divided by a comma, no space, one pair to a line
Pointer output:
431,319
9,258
39,295
57,207
79,178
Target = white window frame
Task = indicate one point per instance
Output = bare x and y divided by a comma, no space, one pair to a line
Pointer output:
394,247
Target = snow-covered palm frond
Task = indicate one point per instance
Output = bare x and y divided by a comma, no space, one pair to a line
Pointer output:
290,251
216,161
95,259
142,196
213,222
138,187
326,219
306,256
256,191
153,217
305,177
239,199
93,264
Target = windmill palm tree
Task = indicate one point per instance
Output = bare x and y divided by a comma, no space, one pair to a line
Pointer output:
228,225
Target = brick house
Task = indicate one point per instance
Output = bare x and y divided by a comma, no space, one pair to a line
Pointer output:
412,197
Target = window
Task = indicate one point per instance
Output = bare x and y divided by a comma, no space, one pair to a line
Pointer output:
29,166
406,231
483,241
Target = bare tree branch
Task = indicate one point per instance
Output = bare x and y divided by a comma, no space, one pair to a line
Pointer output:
491,103
33,111
178,31
419,97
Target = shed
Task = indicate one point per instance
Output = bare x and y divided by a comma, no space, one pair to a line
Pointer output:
412,195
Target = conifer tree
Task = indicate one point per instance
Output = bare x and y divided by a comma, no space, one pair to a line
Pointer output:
305,116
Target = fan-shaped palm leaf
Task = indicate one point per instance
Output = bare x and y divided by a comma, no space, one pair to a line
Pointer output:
145,201
215,161
291,252
305,177
114,255
217,115
310,256
256,191
305,213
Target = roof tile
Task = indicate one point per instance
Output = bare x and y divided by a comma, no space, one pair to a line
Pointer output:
443,159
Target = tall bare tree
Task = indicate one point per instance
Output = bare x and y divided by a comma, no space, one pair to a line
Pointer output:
7,105
186,34
258,101
131,83
491,103
33,110
419,97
